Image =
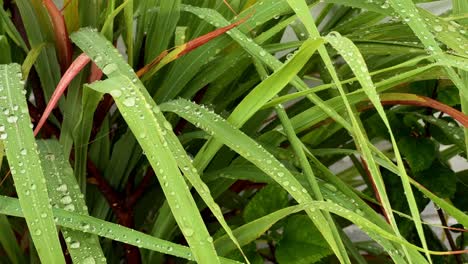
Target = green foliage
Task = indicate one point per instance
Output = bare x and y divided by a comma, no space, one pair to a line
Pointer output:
173,146
301,242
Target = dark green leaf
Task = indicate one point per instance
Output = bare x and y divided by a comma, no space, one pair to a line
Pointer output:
301,243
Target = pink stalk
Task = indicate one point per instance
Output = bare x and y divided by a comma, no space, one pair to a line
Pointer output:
78,64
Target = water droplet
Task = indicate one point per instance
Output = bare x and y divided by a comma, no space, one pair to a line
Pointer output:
12,119
109,68
438,28
116,93
38,232
66,199
69,207
62,188
262,53
23,152
188,232
88,260
97,59
129,101
75,244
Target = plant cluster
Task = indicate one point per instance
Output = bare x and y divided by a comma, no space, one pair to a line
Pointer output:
173,131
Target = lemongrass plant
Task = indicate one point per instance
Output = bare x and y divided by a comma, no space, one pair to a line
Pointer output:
215,131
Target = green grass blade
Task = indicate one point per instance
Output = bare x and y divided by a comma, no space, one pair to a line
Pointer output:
25,166
65,194
9,243
460,7
252,230
71,113
95,226
250,150
47,64
309,174
353,57
136,105
262,94
5,52
30,59
82,133
11,30
161,29
300,7
128,24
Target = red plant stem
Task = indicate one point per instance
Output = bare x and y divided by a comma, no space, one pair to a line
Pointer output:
449,235
193,44
75,68
428,102
124,214
63,43
49,129
374,187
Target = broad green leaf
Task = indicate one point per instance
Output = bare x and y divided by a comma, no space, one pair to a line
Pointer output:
267,200
301,242
460,199
439,179
23,158
419,152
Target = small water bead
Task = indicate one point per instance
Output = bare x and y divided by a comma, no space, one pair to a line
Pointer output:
116,93
188,232
97,59
88,260
262,53
12,119
69,207
38,232
66,199
109,68
359,211
129,101
438,28
75,245
62,188
23,152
